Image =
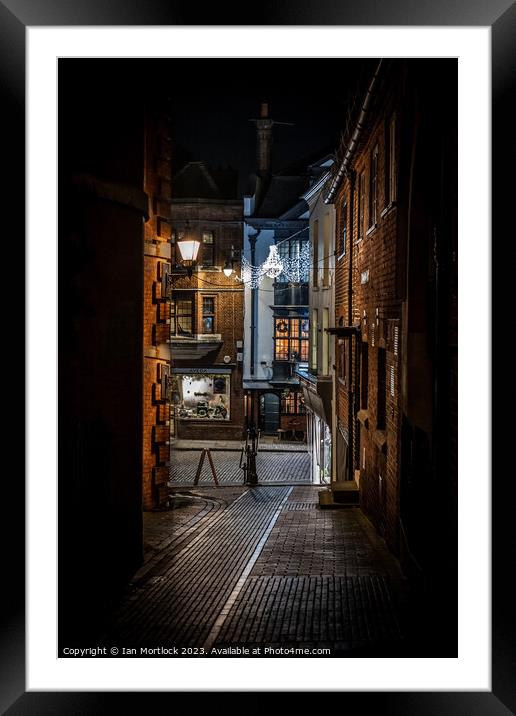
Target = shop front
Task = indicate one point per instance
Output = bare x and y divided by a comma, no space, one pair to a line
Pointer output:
206,395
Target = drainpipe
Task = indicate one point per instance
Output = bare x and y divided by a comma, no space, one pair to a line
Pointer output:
351,406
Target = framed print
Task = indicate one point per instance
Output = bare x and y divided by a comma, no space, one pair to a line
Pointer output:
194,321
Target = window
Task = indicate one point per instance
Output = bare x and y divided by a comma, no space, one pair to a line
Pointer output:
176,236
325,342
291,339
343,229
292,404
315,320
208,248
208,315
204,396
373,188
326,250
342,359
364,377
361,205
315,253
380,399
181,317
390,161
290,251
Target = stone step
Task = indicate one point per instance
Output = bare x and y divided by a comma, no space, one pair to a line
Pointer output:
340,494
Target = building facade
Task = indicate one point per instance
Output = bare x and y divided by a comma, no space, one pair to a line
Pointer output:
206,309
394,192
276,295
156,350
317,381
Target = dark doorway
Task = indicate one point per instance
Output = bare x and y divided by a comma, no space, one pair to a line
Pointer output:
269,413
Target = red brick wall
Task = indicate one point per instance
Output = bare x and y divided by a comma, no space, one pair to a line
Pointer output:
376,309
156,411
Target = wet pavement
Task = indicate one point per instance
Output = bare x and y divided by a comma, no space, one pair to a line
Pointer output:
272,466
264,568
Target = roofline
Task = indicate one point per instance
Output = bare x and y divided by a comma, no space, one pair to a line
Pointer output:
355,136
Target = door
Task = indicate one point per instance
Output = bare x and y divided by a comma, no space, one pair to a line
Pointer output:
270,413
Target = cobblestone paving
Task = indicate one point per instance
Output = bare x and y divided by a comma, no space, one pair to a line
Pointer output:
323,578
262,567
179,598
272,467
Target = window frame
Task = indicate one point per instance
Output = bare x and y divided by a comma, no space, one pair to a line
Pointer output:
210,314
295,341
204,244
174,316
373,187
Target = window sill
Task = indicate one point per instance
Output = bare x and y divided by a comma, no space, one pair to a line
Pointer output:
388,209
342,255
371,230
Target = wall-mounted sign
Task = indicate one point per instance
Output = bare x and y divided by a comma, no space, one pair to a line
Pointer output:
364,276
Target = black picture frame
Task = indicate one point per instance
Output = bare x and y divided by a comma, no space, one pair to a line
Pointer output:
15,17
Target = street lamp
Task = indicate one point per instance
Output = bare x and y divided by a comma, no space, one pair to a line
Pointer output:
228,266
189,248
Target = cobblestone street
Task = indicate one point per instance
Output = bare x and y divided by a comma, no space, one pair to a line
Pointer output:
273,466
263,568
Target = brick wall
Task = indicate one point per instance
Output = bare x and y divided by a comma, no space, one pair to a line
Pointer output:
156,411
376,309
224,218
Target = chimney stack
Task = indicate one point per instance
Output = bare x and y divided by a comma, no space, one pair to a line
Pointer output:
264,141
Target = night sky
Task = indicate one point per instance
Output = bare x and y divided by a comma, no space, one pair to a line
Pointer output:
212,102
215,100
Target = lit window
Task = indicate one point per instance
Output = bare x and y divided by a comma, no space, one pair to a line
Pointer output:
208,315
291,338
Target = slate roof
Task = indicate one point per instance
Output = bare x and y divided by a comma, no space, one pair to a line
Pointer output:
282,193
197,180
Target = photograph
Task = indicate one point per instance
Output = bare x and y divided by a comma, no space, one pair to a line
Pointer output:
258,317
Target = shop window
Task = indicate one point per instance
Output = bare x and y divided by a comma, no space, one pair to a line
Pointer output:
292,404
208,315
181,317
204,397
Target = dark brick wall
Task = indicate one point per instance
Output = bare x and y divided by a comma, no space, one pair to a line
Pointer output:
102,210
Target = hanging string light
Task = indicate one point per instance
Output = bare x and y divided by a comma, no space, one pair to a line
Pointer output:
294,268
273,265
